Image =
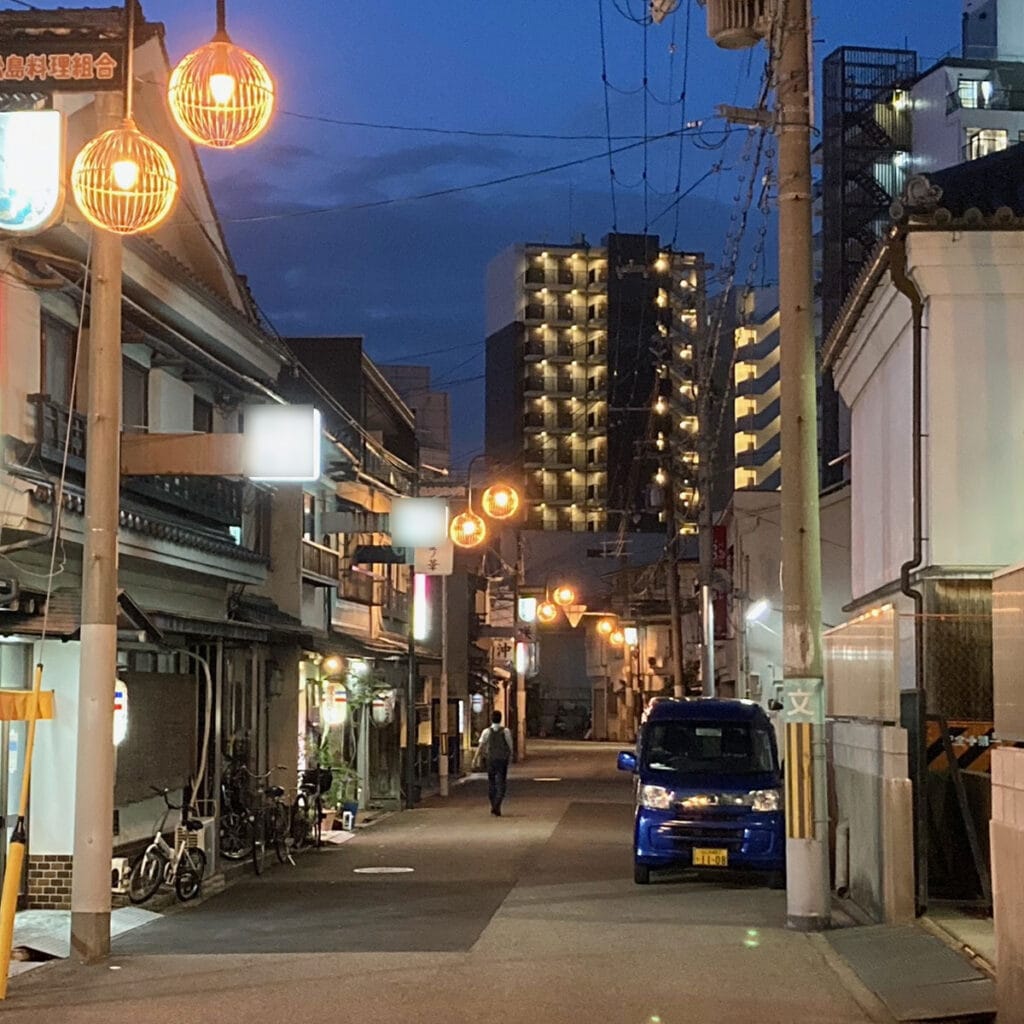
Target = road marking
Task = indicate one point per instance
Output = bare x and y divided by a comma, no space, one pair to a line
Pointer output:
382,871
553,778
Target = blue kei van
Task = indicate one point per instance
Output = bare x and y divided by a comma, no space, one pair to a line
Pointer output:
708,789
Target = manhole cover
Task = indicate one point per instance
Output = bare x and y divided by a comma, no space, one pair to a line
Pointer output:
382,871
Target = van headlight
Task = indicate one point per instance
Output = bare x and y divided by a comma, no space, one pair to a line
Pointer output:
764,799
655,798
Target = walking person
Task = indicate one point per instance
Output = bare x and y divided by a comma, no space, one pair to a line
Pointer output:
496,748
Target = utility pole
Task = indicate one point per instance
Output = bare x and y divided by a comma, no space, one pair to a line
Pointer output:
442,756
94,773
807,895
705,543
788,24
520,675
674,603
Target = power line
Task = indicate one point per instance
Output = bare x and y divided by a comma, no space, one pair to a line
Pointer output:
451,190
471,132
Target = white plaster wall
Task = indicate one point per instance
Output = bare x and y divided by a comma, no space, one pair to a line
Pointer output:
975,395
19,358
170,404
52,808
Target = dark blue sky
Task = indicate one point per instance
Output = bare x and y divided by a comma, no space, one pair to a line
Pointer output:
410,275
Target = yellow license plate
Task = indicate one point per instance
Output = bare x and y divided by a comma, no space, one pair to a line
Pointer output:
710,858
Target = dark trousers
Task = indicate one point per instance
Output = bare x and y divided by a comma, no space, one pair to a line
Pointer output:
497,780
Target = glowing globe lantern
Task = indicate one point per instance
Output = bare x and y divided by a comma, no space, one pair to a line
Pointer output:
547,612
468,530
123,181
564,596
617,638
221,95
605,627
500,502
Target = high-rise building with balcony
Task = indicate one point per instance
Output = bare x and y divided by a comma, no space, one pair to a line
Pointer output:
591,396
757,392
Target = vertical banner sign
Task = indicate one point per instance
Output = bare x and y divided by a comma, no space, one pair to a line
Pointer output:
803,700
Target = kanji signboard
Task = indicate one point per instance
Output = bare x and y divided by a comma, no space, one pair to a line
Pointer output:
436,561
60,65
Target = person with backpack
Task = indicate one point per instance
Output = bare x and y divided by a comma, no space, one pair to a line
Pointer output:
496,749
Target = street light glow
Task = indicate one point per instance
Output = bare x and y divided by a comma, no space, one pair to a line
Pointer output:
547,612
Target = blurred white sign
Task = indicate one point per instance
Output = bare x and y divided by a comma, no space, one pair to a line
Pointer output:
281,442
419,522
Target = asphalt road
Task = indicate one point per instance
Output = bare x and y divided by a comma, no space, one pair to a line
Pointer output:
529,917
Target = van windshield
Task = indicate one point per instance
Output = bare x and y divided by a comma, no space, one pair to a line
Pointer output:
726,748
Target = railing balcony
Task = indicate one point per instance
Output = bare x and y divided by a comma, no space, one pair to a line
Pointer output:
319,563
359,587
210,499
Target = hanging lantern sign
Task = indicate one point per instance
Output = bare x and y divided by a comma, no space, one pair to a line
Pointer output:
382,708
335,704
476,702
120,712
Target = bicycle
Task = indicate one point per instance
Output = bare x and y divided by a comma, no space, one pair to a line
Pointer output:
270,821
235,831
181,866
308,809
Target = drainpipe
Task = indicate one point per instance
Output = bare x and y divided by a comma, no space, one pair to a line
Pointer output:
915,721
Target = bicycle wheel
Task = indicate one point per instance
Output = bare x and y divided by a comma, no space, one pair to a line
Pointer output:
189,880
259,842
147,874
279,832
302,822
235,836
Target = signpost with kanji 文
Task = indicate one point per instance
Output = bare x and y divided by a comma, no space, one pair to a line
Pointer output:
61,65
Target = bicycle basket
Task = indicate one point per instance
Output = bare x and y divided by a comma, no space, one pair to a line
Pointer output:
318,778
187,836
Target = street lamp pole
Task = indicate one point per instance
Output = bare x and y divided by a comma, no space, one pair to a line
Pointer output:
94,770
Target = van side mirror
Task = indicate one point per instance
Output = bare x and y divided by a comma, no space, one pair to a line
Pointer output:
627,761
775,704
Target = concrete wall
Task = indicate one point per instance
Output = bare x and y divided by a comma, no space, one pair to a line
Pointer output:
872,794
1006,832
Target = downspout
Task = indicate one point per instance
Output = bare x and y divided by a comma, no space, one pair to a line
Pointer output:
917,726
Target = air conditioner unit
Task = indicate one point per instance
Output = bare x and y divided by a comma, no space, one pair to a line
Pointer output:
120,871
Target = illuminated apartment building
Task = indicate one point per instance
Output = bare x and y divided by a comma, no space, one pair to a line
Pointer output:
590,393
758,446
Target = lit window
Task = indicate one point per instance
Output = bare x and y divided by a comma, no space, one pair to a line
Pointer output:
983,141
968,92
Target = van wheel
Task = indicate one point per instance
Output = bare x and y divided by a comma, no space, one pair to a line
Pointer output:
641,874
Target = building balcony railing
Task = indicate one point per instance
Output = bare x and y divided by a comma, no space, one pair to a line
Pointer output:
359,588
210,499
319,563
984,99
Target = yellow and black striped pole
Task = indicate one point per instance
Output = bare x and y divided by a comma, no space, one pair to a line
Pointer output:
16,851
799,780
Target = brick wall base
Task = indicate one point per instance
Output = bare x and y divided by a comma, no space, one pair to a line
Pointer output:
49,882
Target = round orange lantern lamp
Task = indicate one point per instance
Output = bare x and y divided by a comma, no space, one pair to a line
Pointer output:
547,612
123,181
221,95
500,502
617,638
605,627
564,595
467,530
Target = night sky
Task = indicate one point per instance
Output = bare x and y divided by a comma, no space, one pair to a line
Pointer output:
410,275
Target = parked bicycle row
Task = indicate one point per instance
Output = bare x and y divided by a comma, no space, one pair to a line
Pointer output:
254,815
